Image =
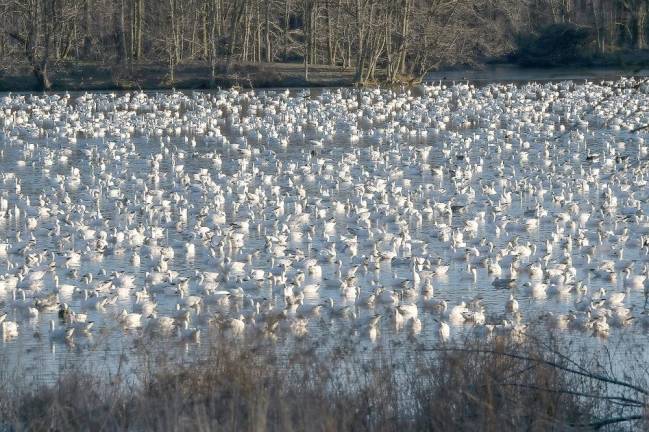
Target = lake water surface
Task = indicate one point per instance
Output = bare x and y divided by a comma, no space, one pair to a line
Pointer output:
364,182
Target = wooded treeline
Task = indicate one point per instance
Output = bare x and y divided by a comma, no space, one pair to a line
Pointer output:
387,40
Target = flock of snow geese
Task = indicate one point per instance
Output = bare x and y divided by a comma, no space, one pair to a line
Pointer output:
269,214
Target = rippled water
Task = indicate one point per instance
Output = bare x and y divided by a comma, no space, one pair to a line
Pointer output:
376,158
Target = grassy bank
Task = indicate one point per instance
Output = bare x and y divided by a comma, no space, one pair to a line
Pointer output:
75,76
473,385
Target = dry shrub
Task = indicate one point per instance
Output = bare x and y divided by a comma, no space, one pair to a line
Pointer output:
473,385
473,389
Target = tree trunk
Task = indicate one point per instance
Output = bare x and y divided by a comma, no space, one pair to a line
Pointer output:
42,76
330,38
66,47
269,56
313,31
179,39
403,45
40,64
361,33
140,22
87,29
641,25
172,43
257,33
246,37
120,30
286,27
236,18
214,26
307,36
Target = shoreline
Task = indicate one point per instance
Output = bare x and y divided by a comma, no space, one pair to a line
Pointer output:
197,76
191,76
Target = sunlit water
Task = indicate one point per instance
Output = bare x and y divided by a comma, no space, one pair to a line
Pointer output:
234,159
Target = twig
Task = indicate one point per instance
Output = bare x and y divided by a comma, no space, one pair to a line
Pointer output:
613,420
549,363
563,356
628,401
521,371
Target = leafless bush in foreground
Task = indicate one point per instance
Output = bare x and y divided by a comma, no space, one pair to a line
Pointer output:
472,385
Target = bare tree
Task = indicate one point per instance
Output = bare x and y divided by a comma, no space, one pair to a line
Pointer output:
37,23
381,40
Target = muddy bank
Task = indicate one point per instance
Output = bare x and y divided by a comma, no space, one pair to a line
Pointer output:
81,77
94,77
